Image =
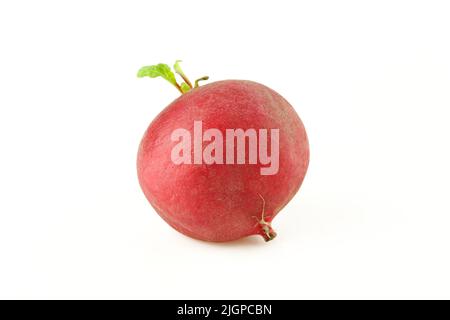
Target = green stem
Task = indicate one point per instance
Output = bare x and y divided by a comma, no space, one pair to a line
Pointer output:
200,79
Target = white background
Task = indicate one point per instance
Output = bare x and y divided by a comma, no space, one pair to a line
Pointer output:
370,79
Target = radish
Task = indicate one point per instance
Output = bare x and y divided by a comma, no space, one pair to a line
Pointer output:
223,159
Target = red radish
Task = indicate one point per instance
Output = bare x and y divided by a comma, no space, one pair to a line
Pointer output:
221,200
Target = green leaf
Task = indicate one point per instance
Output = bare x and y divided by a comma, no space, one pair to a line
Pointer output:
158,70
185,87
177,68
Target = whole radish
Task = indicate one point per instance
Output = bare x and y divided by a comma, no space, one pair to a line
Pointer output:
222,160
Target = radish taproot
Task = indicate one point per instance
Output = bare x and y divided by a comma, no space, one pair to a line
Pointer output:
221,161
